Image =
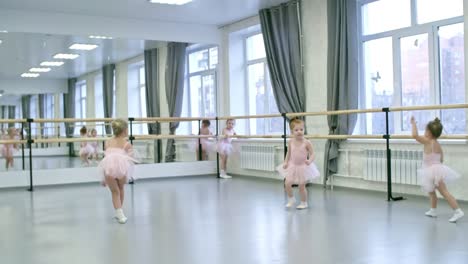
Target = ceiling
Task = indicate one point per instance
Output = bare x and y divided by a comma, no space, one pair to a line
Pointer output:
22,51
206,12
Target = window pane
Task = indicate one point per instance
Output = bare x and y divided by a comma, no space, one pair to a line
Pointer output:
452,77
275,124
415,82
378,79
198,61
432,10
385,15
195,100
257,97
213,58
255,47
142,75
209,96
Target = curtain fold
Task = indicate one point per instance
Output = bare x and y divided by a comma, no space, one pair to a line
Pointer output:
108,72
175,72
281,29
69,111
41,113
152,96
11,114
342,82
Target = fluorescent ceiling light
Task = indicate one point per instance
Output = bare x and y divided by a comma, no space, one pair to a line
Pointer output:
39,70
99,37
30,75
52,63
66,56
77,46
170,2
3,31
1,41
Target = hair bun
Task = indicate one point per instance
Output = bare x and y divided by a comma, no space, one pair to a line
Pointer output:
437,120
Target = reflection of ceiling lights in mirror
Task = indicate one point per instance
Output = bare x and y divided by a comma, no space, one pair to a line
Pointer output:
66,56
1,41
170,2
52,63
99,37
30,75
3,31
1,92
78,46
39,70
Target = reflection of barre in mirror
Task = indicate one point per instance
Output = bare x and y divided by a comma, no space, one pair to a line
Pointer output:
151,145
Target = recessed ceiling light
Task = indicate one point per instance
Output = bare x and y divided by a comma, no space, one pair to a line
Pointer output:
66,56
3,31
1,41
30,75
52,63
77,46
99,37
170,2
39,70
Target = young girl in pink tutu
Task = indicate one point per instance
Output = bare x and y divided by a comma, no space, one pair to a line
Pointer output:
117,166
94,145
433,174
204,142
7,149
85,147
298,167
225,146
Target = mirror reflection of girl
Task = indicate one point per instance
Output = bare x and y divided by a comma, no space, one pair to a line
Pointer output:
85,147
94,145
204,142
225,146
8,149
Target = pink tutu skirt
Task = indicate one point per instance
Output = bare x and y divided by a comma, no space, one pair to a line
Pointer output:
7,150
117,164
86,150
224,148
430,176
299,174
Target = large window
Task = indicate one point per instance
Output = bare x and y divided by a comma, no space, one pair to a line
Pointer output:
99,103
417,59
200,86
137,96
80,102
49,105
260,94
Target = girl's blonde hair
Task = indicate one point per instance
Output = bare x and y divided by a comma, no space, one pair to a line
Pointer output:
233,121
11,131
435,127
118,126
93,130
295,121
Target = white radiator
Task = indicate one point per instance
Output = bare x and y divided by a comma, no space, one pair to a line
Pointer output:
404,164
258,157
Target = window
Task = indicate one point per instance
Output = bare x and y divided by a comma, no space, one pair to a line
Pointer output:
417,59
99,103
200,86
34,113
49,105
137,96
259,90
80,102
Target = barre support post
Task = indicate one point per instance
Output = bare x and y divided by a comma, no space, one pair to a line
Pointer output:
389,155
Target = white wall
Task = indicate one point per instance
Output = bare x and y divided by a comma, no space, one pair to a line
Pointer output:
33,86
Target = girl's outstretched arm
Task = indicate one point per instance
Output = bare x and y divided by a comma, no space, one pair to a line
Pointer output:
415,134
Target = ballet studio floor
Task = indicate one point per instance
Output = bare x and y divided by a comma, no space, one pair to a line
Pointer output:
205,220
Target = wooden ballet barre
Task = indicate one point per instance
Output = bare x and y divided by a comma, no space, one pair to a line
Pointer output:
73,120
69,140
250,136
428,107
249,116
343,136
461,136
336,112
5,121
16,141
172,136
171,119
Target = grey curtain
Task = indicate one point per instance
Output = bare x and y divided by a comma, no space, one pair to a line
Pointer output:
281,28
69,110
342,83
108,92
152,96
41,113
3,113
175,71
11,114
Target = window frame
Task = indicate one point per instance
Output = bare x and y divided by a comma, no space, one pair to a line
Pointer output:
429,28
202,73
